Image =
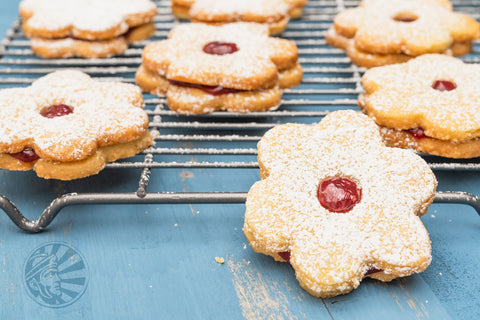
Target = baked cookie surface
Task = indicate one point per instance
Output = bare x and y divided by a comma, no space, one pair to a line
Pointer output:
381,32
339,205
67,126
90,29
234,67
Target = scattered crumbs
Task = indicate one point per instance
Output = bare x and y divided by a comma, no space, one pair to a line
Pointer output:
244,246
235,229
146,212
426,301
150,286
434,211
449,220
197,212
433,216
219,260
440,273
248,262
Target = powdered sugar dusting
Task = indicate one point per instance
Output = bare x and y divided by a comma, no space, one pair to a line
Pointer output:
90,15
331,252
181,56
401,97
104,113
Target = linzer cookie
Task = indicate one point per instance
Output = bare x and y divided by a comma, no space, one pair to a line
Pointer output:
84,28
67,126
338,205
274,13
381,32
235,67
430,104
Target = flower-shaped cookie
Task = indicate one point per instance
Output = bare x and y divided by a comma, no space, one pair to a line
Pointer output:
63,28
435,97
67,126
383,32
236,67
274,13
339,205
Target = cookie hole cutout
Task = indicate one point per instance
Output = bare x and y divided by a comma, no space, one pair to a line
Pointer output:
26,155
444,85
405,16
220,48
56,110
338,194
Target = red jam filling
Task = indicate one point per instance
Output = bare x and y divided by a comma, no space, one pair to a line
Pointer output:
338,194
444,85
220,48
372,271
418,133
26,155
213,90
56,110
285,255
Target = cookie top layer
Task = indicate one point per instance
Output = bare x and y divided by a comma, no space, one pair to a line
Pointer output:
87,19
258,10
331,252
405,26
104,113
402,97
444,3
254,65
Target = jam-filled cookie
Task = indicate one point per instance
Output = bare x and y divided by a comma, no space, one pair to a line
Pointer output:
67,126
381,32
84,28
274,13
430,104
339,205
235,67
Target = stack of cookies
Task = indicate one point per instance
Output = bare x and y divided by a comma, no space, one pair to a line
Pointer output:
84,28
274,13
235,67
381,32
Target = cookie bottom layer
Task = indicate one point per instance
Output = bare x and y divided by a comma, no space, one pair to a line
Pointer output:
370,60
72,47
49,169
444,148
275,27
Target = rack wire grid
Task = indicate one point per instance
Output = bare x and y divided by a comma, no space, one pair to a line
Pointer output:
331,82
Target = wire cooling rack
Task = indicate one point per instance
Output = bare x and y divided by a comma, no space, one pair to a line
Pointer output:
330,83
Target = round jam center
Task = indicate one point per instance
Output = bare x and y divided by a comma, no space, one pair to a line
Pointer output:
444,85
417,133
405,17
220,48
338,194
56,110
26,155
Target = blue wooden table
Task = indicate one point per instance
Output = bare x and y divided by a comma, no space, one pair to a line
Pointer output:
158,261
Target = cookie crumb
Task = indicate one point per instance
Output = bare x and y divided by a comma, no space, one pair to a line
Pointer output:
219,260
